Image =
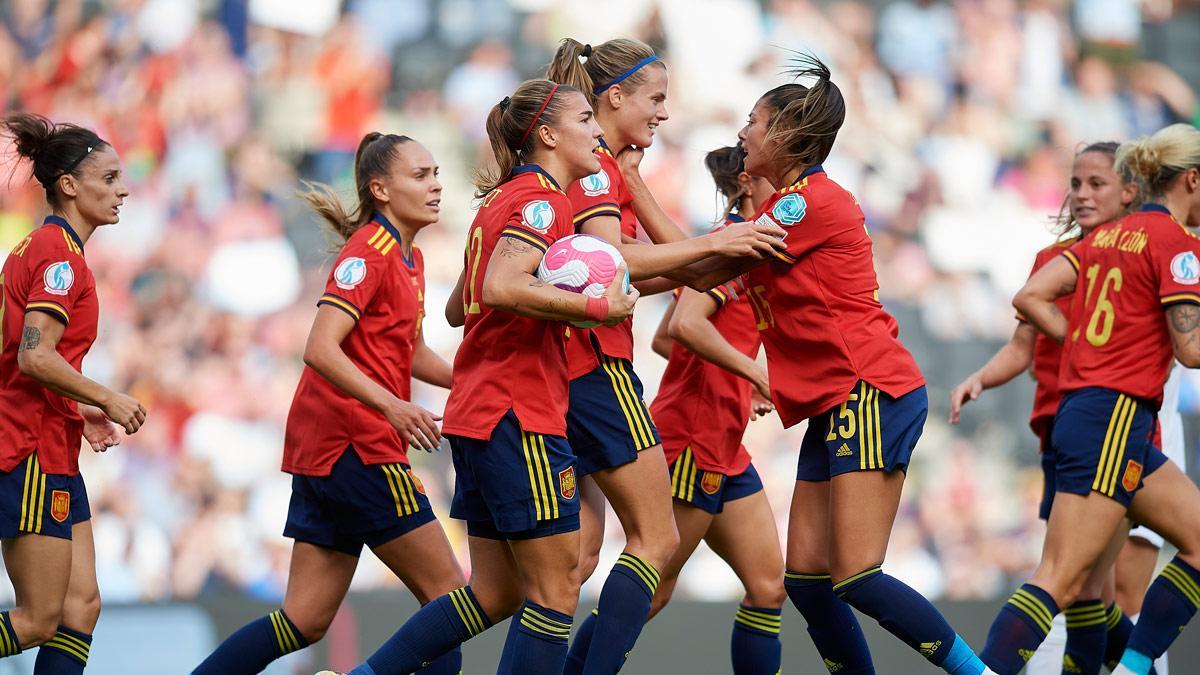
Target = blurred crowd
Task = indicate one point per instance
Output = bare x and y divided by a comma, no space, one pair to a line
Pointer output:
963,117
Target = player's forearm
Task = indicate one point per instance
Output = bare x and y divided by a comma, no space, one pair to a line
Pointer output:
655,221
703,339
1041,312
717,270
331,363
430,368
45,365
525,295
656,285
456,311
1014,358
646,262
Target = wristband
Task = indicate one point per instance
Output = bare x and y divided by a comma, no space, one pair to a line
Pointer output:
597,309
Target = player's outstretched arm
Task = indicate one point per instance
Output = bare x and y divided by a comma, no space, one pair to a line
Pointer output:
692,329
1183,323
1036,300
1013,358
456,311
323,353
38,357
510,285
662,342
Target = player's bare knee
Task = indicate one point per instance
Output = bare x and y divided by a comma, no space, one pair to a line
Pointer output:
313,628
588,562
662,596
39,627
82,613
766,592
498,602
655,545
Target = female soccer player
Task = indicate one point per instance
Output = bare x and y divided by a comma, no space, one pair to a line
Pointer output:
608,424
835,360
48,316
1117,350
506,417
1094,634
351,422
718,495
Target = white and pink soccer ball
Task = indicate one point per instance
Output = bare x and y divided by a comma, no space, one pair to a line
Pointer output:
581,263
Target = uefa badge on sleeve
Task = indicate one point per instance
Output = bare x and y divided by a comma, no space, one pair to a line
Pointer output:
1185,268
350,273
596,184
59,278
790,209
538,215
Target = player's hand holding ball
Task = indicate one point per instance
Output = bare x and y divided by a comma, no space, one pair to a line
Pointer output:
126,411
589,265
417,426
621,296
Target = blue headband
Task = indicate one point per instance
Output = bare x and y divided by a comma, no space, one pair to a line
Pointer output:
649,59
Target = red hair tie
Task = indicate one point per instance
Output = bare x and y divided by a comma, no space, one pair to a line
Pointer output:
538,116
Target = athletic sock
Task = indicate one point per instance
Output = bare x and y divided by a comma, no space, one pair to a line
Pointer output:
1170,604
625,599
537,641
1087,634
831,623
755,648
64,654
433,632
253,646
1019,628
906,614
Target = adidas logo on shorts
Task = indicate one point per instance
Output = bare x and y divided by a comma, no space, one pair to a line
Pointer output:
845,451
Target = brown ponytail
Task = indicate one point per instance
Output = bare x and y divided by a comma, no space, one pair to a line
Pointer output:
1155,161
805,120
56,150
600,65
512,127
725,164
372,160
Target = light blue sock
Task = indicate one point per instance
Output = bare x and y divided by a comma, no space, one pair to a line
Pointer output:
1136,662
962,660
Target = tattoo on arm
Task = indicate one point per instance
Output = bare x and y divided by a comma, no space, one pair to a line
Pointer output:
1185,318
513,248
30,339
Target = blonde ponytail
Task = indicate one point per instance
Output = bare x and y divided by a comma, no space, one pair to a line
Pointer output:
1154,161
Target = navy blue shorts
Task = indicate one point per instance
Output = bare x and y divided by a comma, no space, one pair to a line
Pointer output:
1103,442
356,504
870,431
1048,473
517,485
608,423
32,502
710,490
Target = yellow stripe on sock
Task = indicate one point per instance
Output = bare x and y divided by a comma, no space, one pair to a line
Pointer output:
278,633
462,605
856,577
5,641
1114,615
646,567
758,625
1033,608
647,578
56,643
85,647
1180,580
805,577
1041,606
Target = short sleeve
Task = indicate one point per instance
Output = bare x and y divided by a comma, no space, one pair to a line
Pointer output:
1177,266
1074,254
788,211
357,275
57,280
540,219
599,194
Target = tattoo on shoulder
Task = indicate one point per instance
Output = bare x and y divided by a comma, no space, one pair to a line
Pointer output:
510,247
1184,317
30,339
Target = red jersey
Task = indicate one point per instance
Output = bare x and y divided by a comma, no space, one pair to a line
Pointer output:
47,273
1047,353
601,194
505,360
693,389
1129,272
817,304
384,292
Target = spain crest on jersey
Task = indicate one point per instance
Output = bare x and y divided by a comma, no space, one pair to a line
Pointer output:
1132,477
710,482
566,482
60,505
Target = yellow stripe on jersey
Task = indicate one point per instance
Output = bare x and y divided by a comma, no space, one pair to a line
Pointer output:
21,247
329,299
794,187
71,245
1180,297
378,234
53,308
598,210
525,237
1071,258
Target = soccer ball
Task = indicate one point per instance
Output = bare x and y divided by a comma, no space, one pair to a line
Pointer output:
581,263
